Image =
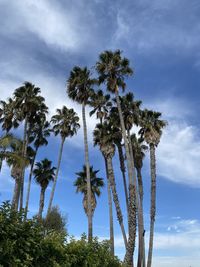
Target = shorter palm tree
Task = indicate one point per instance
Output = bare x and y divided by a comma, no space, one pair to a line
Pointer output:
43,174
101,104
65,123
81,187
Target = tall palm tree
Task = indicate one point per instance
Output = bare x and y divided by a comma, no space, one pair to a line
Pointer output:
27,103
79,89
139,149
112,70
101,104
43,174
39,133
151,131
81,187
103,137
65,123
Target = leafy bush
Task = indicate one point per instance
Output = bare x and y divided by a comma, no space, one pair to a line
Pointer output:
94,254
27,243
20,240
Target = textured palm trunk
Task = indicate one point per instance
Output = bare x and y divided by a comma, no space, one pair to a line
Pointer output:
138,207
29,183
153,202
123,171
131,211
128,259
141,251
87,164
16,194
116,199
110,211
24,150
56,177
41,204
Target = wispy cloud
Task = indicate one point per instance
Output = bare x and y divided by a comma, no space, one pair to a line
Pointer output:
157,25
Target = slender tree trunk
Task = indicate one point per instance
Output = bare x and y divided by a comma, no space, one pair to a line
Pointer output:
41,204
153,202
110,211
128,259
123,171
116,199
29,183
130,248
16,193
24,150
141,250
56,177
130,173
87,164
133,207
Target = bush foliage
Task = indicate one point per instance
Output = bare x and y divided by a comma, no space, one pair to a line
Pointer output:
27,243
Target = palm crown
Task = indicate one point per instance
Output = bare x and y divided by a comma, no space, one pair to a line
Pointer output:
113,69
151,126
44,173
65,122
81,186
79,85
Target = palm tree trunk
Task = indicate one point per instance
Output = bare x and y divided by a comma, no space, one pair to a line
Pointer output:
29,183
56,177
130,173
123,171
131,210
24,149
41,204
128,259
133,207
87,164
153,202
16,194
110,211
116,199
141,250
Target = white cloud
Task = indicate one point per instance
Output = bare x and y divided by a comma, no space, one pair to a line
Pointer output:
47,21
179,150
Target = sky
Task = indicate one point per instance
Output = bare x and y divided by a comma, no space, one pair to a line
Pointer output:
41,41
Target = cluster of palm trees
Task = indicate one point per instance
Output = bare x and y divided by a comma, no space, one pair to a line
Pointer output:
116,117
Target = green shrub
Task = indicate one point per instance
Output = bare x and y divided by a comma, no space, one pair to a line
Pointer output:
94,254
20,240
26,243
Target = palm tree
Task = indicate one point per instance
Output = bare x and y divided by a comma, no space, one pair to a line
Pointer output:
7,118
39,133
112,70
100,104
12,152
66,125
81,187
79,89
43,174
27,103
103,137
151,131
139,149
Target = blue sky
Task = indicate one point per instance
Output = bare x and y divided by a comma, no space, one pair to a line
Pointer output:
40,41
